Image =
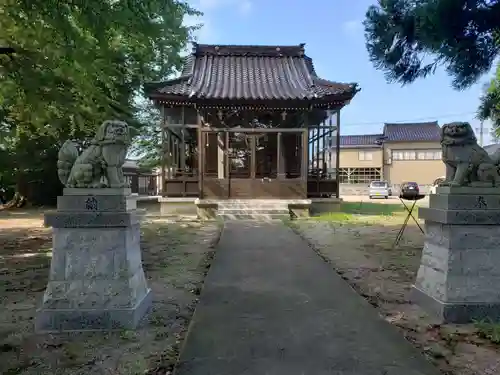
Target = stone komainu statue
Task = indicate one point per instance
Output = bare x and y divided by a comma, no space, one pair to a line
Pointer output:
467,163
103,158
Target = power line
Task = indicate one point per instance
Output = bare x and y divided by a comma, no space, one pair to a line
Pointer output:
406,121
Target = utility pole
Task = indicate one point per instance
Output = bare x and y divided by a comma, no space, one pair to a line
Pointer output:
481,133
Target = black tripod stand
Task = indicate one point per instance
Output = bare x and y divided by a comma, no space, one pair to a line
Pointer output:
414,198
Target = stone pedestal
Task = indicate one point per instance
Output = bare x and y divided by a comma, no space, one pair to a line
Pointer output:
96,278
459,275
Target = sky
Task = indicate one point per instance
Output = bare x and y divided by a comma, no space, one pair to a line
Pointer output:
334,38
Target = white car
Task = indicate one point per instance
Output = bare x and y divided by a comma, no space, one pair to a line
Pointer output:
435,184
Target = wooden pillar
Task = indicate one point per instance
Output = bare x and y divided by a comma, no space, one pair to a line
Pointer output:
305,153
279,172
324,132
330,135
253,156
227,162
183,141
337,151
163,153
201,147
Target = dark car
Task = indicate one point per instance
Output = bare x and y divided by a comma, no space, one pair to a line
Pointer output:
409,189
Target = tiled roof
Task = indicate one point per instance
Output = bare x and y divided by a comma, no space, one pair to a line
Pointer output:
413,132
360,141
491,149
233,72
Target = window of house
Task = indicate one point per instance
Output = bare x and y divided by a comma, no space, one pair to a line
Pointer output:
409,155
429,155
397,155
365,155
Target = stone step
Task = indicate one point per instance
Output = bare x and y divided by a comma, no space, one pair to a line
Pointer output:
243,208
254,211
282,207
256,217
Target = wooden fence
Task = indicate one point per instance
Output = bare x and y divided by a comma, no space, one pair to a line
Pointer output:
143,183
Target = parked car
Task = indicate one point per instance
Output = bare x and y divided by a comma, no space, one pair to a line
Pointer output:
380,189
435,184
409,190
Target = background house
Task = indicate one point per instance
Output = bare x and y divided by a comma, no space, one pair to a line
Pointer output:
403,152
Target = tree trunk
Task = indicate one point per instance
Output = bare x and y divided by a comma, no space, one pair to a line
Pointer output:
20,196
17,201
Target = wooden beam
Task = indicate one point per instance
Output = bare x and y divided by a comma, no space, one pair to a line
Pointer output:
252,130
186,126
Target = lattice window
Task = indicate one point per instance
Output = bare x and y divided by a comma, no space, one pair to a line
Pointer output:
429,155
359,175
416,155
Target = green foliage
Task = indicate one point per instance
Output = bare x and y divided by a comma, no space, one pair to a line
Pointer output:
489,108
488,330
147,145
408,39
76,64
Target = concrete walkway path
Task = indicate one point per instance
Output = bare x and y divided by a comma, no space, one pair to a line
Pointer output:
272,306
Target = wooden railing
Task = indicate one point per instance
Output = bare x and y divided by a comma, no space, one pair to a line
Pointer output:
182,184
143,183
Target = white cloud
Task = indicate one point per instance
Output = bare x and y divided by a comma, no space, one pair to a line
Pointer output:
352,26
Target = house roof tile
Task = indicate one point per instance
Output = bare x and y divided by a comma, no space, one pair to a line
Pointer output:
361,141
413,132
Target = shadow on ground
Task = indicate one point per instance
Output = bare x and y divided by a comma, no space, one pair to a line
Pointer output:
176,257
360,248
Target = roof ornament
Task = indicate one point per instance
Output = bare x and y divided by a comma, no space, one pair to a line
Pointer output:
194,47
302,49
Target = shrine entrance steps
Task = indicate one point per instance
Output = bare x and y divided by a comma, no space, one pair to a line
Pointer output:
253,209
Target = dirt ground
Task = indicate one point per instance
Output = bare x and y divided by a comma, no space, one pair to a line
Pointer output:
360,249
176,257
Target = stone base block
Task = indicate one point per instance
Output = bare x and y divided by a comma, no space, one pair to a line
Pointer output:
177,206
206,210
459,272
97,191
466,190
96,279
98,203
58,320
457,313
94,219
457,217
325,205
300,210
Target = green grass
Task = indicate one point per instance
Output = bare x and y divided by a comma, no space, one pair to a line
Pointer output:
488,330
349,211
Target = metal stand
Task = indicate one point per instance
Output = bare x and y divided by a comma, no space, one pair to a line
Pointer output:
405,223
